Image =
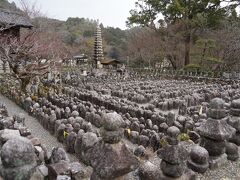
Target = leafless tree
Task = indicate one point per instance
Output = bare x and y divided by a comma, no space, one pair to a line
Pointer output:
31,9
153,47
227,40
30,55
33,52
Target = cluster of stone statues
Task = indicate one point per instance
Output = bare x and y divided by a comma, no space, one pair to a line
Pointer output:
23,156
142,128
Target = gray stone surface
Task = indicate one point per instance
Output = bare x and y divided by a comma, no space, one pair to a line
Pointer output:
103,155
18,159
58,154
214,133
7,134
60,168
89,140
217,162
35,127
17,152
232,151
149,171
112,121
198,160
140,151
217,176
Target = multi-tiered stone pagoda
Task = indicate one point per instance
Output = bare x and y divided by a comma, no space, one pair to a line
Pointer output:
98,49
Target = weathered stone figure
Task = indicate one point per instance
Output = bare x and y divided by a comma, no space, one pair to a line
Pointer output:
214,133
173,157
18,159
234,120
110,157
198,160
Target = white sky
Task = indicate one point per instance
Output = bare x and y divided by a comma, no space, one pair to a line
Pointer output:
109,12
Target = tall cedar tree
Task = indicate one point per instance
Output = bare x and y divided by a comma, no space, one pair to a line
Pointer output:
189,13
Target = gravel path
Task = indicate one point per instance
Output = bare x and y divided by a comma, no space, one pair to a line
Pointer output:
34,126
229,171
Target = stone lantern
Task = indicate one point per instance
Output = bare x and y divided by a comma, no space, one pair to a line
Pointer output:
215,132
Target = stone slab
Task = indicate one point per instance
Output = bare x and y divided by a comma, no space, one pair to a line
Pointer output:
188,175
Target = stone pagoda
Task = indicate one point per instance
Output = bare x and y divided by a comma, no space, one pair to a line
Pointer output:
98,48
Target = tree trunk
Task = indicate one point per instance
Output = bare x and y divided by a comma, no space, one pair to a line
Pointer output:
173,64
187,49
4,67
203,54
173,60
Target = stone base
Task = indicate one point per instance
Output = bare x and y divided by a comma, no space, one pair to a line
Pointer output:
96,177
236,139
149,171
233,157
216,162
188,175
200,168
22,172
102,156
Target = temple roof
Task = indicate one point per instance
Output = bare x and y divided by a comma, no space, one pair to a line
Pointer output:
80,56
14,18
110,61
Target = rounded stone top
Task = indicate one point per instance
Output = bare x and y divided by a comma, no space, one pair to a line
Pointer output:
29,99
235,104
140,151
231,148
173,131
57,110
52,112
75,113
199,155
217,103
17,152
112,121
36,105
170,118
89,139
74,107
67,109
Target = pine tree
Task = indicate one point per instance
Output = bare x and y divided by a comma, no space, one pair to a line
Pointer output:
189,15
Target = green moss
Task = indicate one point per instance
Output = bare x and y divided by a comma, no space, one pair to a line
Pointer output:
192,67
183,137
163,142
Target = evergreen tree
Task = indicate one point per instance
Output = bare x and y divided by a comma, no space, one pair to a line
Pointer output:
187,14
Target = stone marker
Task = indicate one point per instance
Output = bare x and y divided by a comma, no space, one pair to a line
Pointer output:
18,159
198,160
214,133
112,149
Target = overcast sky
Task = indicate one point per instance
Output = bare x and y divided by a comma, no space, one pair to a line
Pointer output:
109,12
